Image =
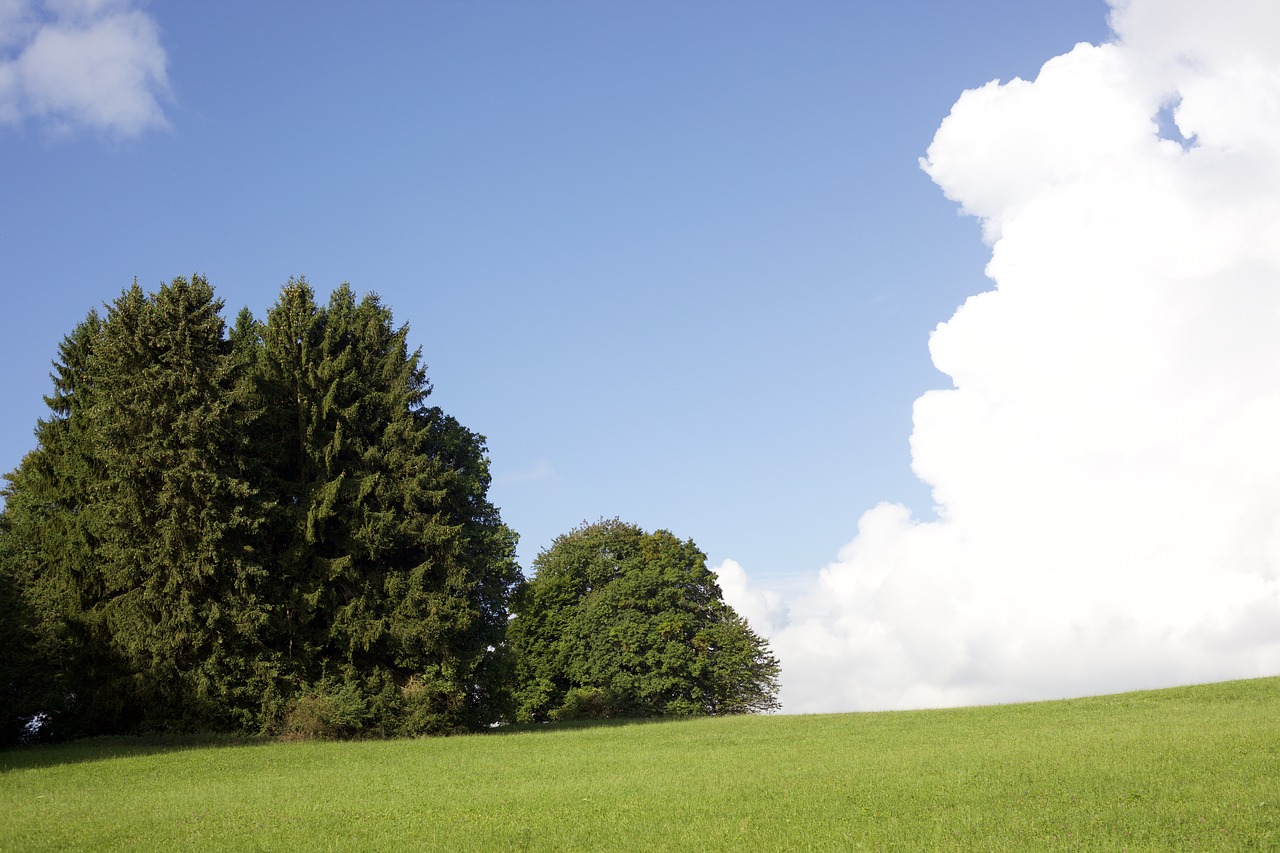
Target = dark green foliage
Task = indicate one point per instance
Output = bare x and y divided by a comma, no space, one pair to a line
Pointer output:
21,690
392,567
50,533
178,574
250,530
618,622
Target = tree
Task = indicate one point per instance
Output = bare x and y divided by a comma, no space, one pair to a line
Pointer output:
618,622
178,583
50,535
127,531
24,682
252,529
391,568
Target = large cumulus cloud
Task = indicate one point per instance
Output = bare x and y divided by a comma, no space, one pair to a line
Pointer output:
1106,468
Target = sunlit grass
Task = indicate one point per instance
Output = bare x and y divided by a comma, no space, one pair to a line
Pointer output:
1182,769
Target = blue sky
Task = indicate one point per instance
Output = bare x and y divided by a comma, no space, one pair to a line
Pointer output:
700,266
678,261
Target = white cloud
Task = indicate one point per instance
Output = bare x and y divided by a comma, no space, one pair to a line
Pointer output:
81,63
17,21
1106,468
764,609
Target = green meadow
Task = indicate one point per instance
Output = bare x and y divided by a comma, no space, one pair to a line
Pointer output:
1181,769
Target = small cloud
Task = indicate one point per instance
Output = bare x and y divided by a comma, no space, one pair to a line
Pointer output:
81,63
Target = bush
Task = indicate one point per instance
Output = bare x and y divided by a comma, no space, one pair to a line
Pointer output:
587,703
329,710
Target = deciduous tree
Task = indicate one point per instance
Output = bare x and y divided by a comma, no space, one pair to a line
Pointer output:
620,622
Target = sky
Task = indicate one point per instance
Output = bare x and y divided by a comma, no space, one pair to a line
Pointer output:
947,330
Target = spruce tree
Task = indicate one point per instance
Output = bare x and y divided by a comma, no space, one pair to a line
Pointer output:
180,577
264,529
50,540
283,455
393,568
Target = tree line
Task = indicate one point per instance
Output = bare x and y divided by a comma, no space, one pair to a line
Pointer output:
266,528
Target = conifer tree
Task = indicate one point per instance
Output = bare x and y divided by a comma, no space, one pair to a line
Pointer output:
283,455
259,530
50,536
180,579
397,570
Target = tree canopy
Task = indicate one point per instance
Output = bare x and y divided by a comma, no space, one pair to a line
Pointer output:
266,528
251,529
619,622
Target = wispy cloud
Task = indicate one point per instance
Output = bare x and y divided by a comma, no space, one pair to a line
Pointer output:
540,470
1106,469
70,64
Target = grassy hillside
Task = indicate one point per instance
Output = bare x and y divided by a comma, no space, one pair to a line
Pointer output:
1182,769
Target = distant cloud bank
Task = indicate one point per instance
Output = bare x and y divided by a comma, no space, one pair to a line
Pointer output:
1107,466
72,64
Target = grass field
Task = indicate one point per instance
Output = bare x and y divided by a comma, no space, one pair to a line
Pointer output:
1182,769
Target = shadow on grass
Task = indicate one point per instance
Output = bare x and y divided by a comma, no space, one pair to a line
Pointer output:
110,747
578,725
